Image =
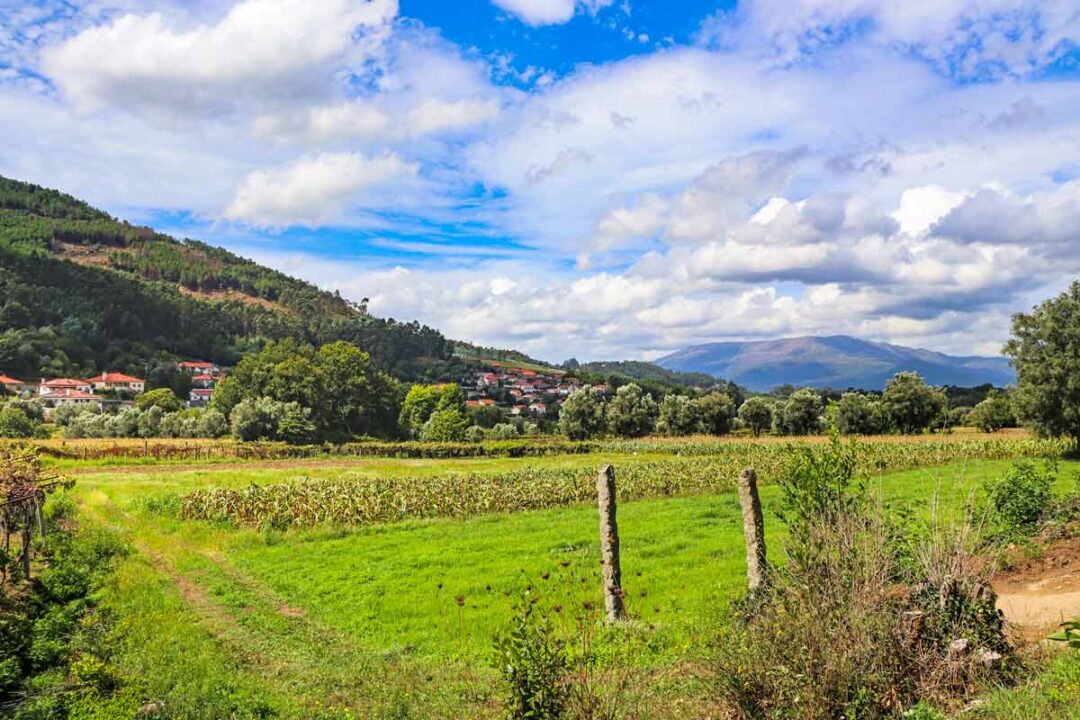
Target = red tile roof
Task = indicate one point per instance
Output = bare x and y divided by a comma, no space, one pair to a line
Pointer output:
65,382
71,394
203,377
117,378
5,380
195,364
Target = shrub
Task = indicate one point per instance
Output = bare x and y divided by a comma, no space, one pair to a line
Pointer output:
503,431
993,413
532,661
1020,498
14,423
845,630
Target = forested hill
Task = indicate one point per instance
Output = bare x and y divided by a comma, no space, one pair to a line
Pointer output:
81,292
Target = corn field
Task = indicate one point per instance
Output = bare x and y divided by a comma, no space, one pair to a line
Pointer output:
358,500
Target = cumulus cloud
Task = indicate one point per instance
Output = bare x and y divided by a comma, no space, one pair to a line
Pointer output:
548,12
147,62
311,191
811,167
968,38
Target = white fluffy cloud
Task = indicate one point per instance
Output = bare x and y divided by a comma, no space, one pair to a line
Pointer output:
548,12
312,191
146,62
809,167
962,37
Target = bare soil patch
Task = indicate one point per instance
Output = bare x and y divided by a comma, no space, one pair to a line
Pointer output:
1039,593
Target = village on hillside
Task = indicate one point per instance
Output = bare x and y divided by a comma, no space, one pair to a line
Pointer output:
112,389
522,392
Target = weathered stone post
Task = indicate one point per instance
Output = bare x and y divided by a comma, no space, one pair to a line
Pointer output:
753,529
609,545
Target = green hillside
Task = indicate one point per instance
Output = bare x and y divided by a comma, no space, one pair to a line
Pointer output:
81,292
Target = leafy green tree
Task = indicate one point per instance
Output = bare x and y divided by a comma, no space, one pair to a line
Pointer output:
445,425
857,414
503,431
14,423
716,411
632,412
486,416
360,398
678,415
1045,350
800,414
163,398
582,415
910,404
212,424
338,384
756,414
422,401
254,419
993,413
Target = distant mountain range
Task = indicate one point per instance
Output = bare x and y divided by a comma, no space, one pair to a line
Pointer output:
836,361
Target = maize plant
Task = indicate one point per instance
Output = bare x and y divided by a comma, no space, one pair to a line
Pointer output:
360,500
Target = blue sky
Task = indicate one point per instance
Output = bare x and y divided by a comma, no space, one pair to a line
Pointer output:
599,178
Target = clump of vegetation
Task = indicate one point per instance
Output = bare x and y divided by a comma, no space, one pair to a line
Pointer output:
40,622
361,500
846,628
1045,349
533,662
1019,500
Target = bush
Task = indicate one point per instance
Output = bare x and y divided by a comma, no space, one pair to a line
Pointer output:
14,423
846,629
1020,499
533,662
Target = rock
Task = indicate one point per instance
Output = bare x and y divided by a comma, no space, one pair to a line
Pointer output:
989,659
958,648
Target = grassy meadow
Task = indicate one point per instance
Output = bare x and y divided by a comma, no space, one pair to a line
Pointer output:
396,620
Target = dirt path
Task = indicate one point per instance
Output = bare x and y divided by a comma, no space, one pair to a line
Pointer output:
1042,592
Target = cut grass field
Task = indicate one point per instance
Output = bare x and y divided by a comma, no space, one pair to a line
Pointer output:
399,618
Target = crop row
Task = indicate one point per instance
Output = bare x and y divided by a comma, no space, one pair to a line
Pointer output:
361,500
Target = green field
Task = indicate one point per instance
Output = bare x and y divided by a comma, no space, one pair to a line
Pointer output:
397,620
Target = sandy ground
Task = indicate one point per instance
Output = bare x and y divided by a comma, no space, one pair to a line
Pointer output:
1042,592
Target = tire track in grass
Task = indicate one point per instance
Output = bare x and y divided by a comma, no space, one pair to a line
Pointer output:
280,645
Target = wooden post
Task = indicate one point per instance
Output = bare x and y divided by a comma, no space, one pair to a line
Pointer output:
753,529
609,545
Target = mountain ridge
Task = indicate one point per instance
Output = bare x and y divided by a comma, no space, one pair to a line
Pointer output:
838,361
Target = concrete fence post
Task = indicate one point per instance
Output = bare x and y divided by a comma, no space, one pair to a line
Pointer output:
753,529
609,545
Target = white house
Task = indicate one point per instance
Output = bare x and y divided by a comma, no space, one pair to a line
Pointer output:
119,382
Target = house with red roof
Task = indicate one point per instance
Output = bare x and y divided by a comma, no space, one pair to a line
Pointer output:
118,382
10,384
204,381
62,385
198,367
60,396
200,397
